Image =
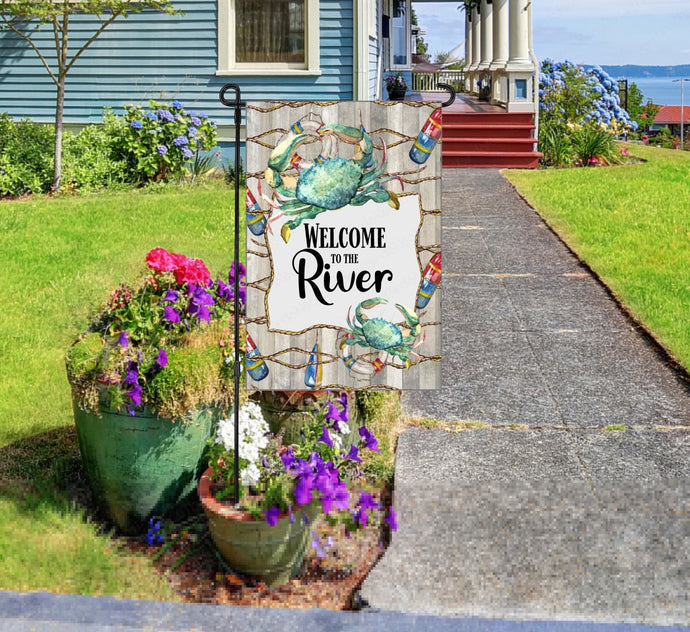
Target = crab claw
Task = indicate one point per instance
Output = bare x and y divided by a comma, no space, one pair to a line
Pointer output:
411,319
368,304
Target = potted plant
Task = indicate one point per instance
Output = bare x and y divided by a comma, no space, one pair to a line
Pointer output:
149,376
396,86
283,488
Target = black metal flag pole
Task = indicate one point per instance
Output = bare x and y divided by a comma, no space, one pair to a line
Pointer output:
238,104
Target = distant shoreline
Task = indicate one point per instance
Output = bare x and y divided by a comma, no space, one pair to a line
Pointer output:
638,72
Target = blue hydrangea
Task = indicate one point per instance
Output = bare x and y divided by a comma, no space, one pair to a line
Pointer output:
181,141
177,104
187,153
166,116
152,116
162,150
136,125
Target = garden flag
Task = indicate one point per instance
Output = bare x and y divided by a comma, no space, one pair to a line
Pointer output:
343,209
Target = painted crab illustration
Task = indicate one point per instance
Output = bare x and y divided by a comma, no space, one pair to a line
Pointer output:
382,334
329,184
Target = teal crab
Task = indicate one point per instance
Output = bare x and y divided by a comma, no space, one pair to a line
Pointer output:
382,334
329,184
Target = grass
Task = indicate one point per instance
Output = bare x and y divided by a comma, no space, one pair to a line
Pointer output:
59,257
631,225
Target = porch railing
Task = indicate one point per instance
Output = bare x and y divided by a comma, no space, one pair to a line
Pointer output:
428,81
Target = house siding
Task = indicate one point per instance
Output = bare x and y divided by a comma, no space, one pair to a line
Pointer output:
152,55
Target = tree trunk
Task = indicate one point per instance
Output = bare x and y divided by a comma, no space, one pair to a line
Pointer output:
57,153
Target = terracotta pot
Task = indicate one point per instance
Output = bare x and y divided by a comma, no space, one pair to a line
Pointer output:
253,547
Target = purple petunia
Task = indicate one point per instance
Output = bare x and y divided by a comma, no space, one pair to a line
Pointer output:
272,515
353,455
171,314
391,520
369,439
171,296
123,340
326,438
162,358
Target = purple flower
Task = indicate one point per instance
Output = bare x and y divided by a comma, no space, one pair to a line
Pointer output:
272,515
325,437
132,377
162,150
154,536
341,497
166,116
366,501
181,141
195,120
200,302
123,340
135,395
171,314
192,131
391,520
136,125
187,153
162,358
171,296
303,490
369,439
288,460
353,454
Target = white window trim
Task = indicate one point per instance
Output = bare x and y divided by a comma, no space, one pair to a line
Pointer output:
226,49
408,13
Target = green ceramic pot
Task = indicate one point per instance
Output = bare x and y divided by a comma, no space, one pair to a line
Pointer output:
253,547
288,411
142,466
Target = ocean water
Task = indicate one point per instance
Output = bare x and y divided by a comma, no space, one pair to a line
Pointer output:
662,90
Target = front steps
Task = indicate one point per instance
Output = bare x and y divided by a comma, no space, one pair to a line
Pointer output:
489,139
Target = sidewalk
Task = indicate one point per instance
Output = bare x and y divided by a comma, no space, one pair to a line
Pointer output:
539,520
541,513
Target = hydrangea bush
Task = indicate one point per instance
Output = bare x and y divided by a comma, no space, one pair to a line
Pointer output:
580,115
278,479
165,138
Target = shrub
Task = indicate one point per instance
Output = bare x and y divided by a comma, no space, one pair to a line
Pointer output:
93,158
580,114
161,141
26,156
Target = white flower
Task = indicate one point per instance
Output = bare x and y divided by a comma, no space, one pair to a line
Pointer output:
252,436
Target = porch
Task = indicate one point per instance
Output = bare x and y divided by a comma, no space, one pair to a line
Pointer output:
479,134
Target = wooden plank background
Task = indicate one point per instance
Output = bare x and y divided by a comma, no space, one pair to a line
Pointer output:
398,124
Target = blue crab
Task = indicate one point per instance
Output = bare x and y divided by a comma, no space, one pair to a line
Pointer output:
382,334
329,184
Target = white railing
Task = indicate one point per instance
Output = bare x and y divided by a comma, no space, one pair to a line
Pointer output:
428,81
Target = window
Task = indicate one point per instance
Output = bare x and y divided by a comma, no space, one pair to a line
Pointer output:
400,34
268,37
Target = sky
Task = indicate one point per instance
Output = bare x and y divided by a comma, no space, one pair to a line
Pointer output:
604,32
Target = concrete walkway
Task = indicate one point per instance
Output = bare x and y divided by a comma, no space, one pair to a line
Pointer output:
537,519
540,513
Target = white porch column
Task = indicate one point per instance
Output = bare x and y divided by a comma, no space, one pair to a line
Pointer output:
487,47
501,22
476,51
519,36
468,51
501,35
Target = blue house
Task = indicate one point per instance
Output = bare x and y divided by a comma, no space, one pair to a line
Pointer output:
321,50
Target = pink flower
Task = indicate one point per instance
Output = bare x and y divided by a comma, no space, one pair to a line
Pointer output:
192,271
161,260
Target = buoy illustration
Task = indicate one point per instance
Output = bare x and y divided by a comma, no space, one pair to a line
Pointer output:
314,372
427,138
430,281
256,220
256,368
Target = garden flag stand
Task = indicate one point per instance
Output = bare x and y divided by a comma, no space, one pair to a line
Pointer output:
343,215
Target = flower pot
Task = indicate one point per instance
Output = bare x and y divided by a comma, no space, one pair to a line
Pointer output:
253,547
396,94
288,411
142,466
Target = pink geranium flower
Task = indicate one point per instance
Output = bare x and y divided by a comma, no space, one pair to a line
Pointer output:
161,260
192,271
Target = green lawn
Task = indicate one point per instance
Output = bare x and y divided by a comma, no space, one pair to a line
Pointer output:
631,224
58,257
